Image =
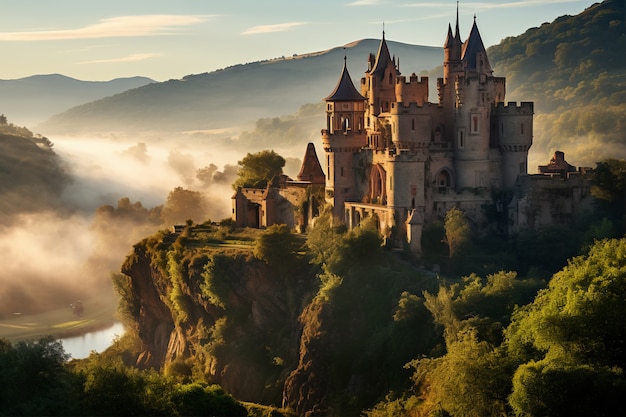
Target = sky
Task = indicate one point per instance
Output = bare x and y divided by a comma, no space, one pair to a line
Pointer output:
166,39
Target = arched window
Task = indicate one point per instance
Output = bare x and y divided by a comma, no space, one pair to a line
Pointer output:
444,181
345,123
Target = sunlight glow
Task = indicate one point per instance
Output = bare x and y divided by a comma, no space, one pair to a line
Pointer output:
115,27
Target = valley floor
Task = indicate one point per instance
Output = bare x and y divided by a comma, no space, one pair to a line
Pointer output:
99,313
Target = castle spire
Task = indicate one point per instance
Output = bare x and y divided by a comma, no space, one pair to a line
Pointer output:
474,54
449,38
345,90
383,59
457,32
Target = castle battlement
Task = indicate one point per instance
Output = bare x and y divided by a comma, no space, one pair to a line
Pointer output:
412,107
525,107
413,79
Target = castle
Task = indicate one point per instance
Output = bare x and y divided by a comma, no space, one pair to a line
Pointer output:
392,154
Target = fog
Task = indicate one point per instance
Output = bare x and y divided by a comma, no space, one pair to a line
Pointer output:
52,258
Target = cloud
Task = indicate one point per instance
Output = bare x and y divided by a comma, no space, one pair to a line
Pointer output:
129,58
365,3
280,27
115,27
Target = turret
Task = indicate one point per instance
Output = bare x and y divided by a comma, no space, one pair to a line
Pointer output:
379,83
474,55
452,49
344,135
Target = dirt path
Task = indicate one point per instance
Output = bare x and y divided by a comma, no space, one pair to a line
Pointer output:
99,313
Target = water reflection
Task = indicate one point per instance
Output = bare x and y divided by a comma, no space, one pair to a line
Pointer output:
80,346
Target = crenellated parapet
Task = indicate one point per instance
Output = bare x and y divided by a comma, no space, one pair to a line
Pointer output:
511,108
415,89
412,108
343,141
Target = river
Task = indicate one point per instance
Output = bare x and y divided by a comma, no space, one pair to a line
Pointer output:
81,346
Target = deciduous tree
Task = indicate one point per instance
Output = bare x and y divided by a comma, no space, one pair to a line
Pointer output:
259,169
457,230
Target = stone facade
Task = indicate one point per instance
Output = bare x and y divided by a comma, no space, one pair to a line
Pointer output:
291,202
391,153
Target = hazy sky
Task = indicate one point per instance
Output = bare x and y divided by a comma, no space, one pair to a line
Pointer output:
164,39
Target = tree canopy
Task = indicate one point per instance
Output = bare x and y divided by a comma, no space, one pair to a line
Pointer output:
259,169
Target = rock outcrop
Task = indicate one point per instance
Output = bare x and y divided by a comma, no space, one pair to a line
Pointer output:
276,335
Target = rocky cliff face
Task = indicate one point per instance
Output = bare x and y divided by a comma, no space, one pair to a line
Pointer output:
270,334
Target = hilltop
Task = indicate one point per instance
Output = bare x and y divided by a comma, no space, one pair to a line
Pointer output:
232,97
573,69
31,100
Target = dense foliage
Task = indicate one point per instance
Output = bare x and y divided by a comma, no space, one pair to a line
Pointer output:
559,355
259,169
35,379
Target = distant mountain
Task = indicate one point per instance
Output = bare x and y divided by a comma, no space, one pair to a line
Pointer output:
31,100
234,96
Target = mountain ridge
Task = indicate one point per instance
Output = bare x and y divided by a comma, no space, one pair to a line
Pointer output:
233,95
30,100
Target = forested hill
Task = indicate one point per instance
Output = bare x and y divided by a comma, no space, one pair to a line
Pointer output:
236,95
31,175
574,69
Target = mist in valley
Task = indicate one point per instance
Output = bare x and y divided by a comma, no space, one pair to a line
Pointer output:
121,189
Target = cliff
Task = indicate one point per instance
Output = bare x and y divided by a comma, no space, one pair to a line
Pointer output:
275,327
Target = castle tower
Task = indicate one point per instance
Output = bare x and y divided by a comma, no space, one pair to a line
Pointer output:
513,128
452,51
452,68
379,83
477,90
343,137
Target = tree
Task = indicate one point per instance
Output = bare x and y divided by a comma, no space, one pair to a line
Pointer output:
277,246
34,380
259,169
183,205
609,189
457,230
575,333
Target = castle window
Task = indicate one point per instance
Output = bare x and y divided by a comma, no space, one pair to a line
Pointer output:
328,167
461,138
521,128
342,171
345,123
443,181
474,124
413,125
390,79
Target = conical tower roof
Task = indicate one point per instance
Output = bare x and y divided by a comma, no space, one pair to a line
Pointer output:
311,169
345,90
383,58
472,48
449,38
